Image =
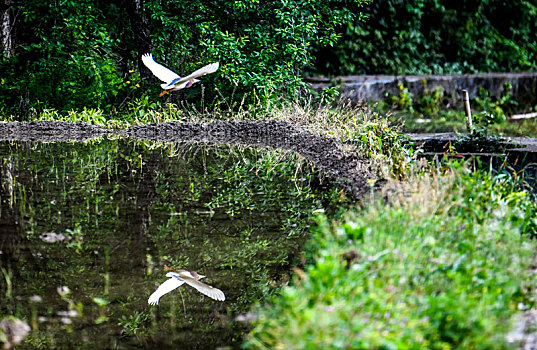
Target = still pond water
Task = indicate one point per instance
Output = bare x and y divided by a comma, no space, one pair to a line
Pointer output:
86,229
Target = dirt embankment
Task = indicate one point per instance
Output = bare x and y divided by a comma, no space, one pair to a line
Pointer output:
350,170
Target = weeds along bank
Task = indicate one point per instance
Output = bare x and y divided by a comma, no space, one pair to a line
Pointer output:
435,37
445,265
436,111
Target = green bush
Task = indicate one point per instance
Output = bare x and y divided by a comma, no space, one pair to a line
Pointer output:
262,46
64,59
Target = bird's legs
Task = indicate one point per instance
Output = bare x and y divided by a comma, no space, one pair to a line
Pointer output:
166,267
164,92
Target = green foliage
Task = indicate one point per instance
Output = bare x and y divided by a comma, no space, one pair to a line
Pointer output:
328,95
404,99
378,140
436,36
39,340
442,267
67,60
493,111
134,324
514,188
431,101
263,46
82,54
90,116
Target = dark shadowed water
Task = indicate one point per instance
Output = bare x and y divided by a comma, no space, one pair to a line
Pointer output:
86,229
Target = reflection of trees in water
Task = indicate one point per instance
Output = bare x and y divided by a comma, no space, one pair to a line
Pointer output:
135,214
227,213
11,226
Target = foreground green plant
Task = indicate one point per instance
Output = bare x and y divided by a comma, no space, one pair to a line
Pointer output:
442,268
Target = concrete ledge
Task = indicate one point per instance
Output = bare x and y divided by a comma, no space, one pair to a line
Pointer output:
378,87
436,142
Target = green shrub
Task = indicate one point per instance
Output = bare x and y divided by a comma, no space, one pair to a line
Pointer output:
64,59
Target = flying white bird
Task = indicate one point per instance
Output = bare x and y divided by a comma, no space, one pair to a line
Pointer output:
171,79
177,279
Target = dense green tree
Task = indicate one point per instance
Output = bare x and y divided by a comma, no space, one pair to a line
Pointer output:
75,54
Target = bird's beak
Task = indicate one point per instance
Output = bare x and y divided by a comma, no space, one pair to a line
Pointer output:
164,92
201,276
196,81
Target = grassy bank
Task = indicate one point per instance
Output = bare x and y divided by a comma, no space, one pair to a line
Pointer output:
443,266
363,130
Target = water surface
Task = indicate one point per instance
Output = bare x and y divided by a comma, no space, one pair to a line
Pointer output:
86,228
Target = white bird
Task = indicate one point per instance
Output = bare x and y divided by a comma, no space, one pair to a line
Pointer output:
177,279
172,81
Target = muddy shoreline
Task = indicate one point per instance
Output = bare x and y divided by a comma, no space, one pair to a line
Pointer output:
350,171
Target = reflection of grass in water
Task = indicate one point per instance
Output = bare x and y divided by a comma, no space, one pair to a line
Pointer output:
8,275
240,223
134,324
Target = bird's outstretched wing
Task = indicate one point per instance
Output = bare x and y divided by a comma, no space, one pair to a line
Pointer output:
210,68
206,289
164,288
161,72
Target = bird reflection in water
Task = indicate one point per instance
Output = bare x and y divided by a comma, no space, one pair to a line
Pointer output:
180,277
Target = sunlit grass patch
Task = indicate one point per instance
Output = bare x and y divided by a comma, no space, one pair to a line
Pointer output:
88,115
444,266
361,130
